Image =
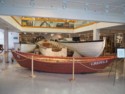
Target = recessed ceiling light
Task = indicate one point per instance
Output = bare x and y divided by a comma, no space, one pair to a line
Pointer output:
106,6
124,13
107,11
32,2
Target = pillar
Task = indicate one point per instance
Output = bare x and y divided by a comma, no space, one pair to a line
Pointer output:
2,36
96,34
5,40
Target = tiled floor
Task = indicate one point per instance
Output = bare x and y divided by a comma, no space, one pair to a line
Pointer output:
17,80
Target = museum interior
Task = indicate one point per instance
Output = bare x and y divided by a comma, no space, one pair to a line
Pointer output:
62,46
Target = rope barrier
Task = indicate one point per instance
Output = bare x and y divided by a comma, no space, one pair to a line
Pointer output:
22,56
89,67
21,60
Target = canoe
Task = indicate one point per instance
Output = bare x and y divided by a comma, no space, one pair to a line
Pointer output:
86,48
62,64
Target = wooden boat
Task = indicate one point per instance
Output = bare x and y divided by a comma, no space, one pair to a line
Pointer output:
52,48
87,48
62,64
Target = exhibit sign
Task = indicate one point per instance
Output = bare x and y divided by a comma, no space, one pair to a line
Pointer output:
120,52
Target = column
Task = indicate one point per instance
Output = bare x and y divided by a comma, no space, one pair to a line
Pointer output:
5,40
2,36
96,33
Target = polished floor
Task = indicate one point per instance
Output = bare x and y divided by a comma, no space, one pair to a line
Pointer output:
15,79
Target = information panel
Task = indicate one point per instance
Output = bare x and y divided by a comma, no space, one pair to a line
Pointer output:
120,52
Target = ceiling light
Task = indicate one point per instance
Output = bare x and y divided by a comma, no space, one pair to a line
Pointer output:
107,11
86,4
51,34
25,33
107,6
32,2
64,4
124,13
85,8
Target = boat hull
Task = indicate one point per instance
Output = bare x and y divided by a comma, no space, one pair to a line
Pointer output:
62,65
91,48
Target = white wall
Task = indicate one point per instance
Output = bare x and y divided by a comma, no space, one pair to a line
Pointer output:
1,36
13,37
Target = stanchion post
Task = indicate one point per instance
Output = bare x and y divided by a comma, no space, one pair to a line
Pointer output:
73,70
32,68
124,69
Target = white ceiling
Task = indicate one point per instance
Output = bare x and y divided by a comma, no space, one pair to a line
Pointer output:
5,25
101,6
97,10
122,27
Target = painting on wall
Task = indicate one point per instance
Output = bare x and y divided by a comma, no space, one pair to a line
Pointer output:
119,39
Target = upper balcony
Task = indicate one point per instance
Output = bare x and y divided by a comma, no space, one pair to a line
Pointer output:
36,22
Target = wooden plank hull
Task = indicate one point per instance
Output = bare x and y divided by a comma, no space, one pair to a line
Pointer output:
62,65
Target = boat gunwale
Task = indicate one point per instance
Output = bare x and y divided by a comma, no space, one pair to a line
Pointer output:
63,59
80,41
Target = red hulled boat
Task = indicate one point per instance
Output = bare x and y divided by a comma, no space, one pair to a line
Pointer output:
62,64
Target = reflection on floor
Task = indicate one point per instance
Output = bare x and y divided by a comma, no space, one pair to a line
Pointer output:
17,80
